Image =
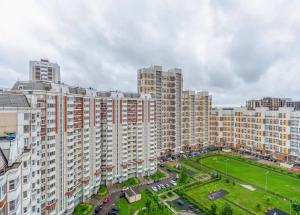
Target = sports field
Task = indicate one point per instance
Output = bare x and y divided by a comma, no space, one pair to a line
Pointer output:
245,184
282,184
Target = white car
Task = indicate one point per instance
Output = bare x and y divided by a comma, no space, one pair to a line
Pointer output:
154,189
173,183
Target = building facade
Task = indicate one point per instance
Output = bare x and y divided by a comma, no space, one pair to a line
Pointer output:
70,143
166,89
259,131
128,136
44,70
20,190
195,119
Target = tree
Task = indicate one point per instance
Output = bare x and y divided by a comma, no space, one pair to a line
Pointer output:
227,210
296,206
213,209
183,175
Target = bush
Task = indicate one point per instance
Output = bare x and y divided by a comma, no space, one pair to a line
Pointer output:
258,206
227,180
83,209
102,191
227,210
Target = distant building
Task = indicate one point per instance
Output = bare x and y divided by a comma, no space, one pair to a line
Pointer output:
166,89
259,131
195,119
272,103
44,70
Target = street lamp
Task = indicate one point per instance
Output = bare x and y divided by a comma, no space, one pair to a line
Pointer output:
266,180
226,165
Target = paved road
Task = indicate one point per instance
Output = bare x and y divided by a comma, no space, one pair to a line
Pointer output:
116,195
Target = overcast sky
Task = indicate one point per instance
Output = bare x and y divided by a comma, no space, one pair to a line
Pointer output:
236,50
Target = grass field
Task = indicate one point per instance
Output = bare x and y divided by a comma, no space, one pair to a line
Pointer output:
284,185
241,196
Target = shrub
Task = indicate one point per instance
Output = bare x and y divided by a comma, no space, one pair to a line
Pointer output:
258,206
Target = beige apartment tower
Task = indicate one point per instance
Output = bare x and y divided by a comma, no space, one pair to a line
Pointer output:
195,119
166,88
44,70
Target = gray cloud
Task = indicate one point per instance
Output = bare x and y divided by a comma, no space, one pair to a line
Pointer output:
235,49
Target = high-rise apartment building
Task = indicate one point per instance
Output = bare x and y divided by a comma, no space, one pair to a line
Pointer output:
44,70
70,143
128,136
166,89
195,119
20,190
88,138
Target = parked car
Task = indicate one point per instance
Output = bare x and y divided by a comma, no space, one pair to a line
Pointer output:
98,208
154,189
105,200
173,182
115,209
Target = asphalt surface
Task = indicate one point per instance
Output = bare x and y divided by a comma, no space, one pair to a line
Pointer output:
116,195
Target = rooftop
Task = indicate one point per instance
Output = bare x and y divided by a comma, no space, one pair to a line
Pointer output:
13,100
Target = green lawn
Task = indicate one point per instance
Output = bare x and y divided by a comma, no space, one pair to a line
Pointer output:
239,195
147,196
282,184
83,209
130,182
157,175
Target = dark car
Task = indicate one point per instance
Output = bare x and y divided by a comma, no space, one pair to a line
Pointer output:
115,209
98,208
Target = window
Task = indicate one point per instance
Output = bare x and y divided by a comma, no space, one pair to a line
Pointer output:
25,194
12,205
26,116
25,164
2,191
25,179
13,184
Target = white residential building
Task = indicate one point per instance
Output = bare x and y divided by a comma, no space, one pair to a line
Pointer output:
128,136
20,190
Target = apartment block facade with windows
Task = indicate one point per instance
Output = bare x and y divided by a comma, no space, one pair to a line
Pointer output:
261,131
195,119
44,70
128,136
20,191
166,89
70,143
